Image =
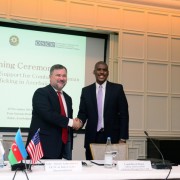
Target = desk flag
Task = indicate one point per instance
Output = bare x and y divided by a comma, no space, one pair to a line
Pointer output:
34,148
17,151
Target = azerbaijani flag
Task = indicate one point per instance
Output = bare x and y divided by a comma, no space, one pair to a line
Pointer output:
20,144
17,151
14,154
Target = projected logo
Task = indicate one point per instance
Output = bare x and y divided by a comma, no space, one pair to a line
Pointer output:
44,43
14,40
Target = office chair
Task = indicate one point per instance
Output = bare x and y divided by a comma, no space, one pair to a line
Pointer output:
98,151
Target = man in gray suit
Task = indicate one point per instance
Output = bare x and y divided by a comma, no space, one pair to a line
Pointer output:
113,118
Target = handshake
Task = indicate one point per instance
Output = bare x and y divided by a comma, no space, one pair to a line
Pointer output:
77,123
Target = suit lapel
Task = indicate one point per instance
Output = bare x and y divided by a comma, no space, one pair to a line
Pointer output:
54,97
93,93
68,105
107,95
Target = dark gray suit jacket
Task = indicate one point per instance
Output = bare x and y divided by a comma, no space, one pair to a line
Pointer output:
116,114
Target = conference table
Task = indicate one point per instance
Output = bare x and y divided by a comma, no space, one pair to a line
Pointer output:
88,172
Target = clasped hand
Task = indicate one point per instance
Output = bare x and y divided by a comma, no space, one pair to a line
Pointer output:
77,123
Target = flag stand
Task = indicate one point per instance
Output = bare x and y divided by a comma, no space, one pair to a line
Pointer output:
24,170
21,167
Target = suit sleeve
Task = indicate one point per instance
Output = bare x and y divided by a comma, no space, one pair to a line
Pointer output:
124,115
82,107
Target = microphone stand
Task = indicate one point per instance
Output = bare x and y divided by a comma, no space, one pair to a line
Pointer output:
159,165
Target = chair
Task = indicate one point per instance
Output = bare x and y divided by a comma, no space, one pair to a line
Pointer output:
98,151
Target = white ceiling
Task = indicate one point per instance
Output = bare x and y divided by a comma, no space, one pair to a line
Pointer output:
173,4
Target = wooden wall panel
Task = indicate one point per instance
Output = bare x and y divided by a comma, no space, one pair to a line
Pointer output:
175,82
133,76
158,23
136,109
108,17
82,13
157,48
157,113
175,50
4,7
175,114
115,71
157,78
133,45
54,11
134,20
175,25
21,9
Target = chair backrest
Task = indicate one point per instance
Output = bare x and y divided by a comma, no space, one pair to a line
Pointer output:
98,151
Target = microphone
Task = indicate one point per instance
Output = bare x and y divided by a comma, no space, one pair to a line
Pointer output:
159,165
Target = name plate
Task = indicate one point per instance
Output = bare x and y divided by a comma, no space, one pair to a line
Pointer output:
60,165
134,165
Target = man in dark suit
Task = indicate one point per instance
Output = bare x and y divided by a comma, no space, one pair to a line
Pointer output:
47,116
113,120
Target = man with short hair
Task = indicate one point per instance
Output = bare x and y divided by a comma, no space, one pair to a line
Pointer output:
47,116
106,115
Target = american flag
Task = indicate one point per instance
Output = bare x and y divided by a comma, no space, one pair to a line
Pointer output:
34,148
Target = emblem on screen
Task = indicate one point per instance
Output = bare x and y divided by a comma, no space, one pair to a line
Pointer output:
14,40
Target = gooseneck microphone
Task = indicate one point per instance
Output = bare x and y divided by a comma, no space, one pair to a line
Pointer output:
159,165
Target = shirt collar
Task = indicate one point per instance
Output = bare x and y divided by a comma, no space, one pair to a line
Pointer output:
103,85
57,90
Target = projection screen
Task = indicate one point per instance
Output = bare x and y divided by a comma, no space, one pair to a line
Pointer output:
28,52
